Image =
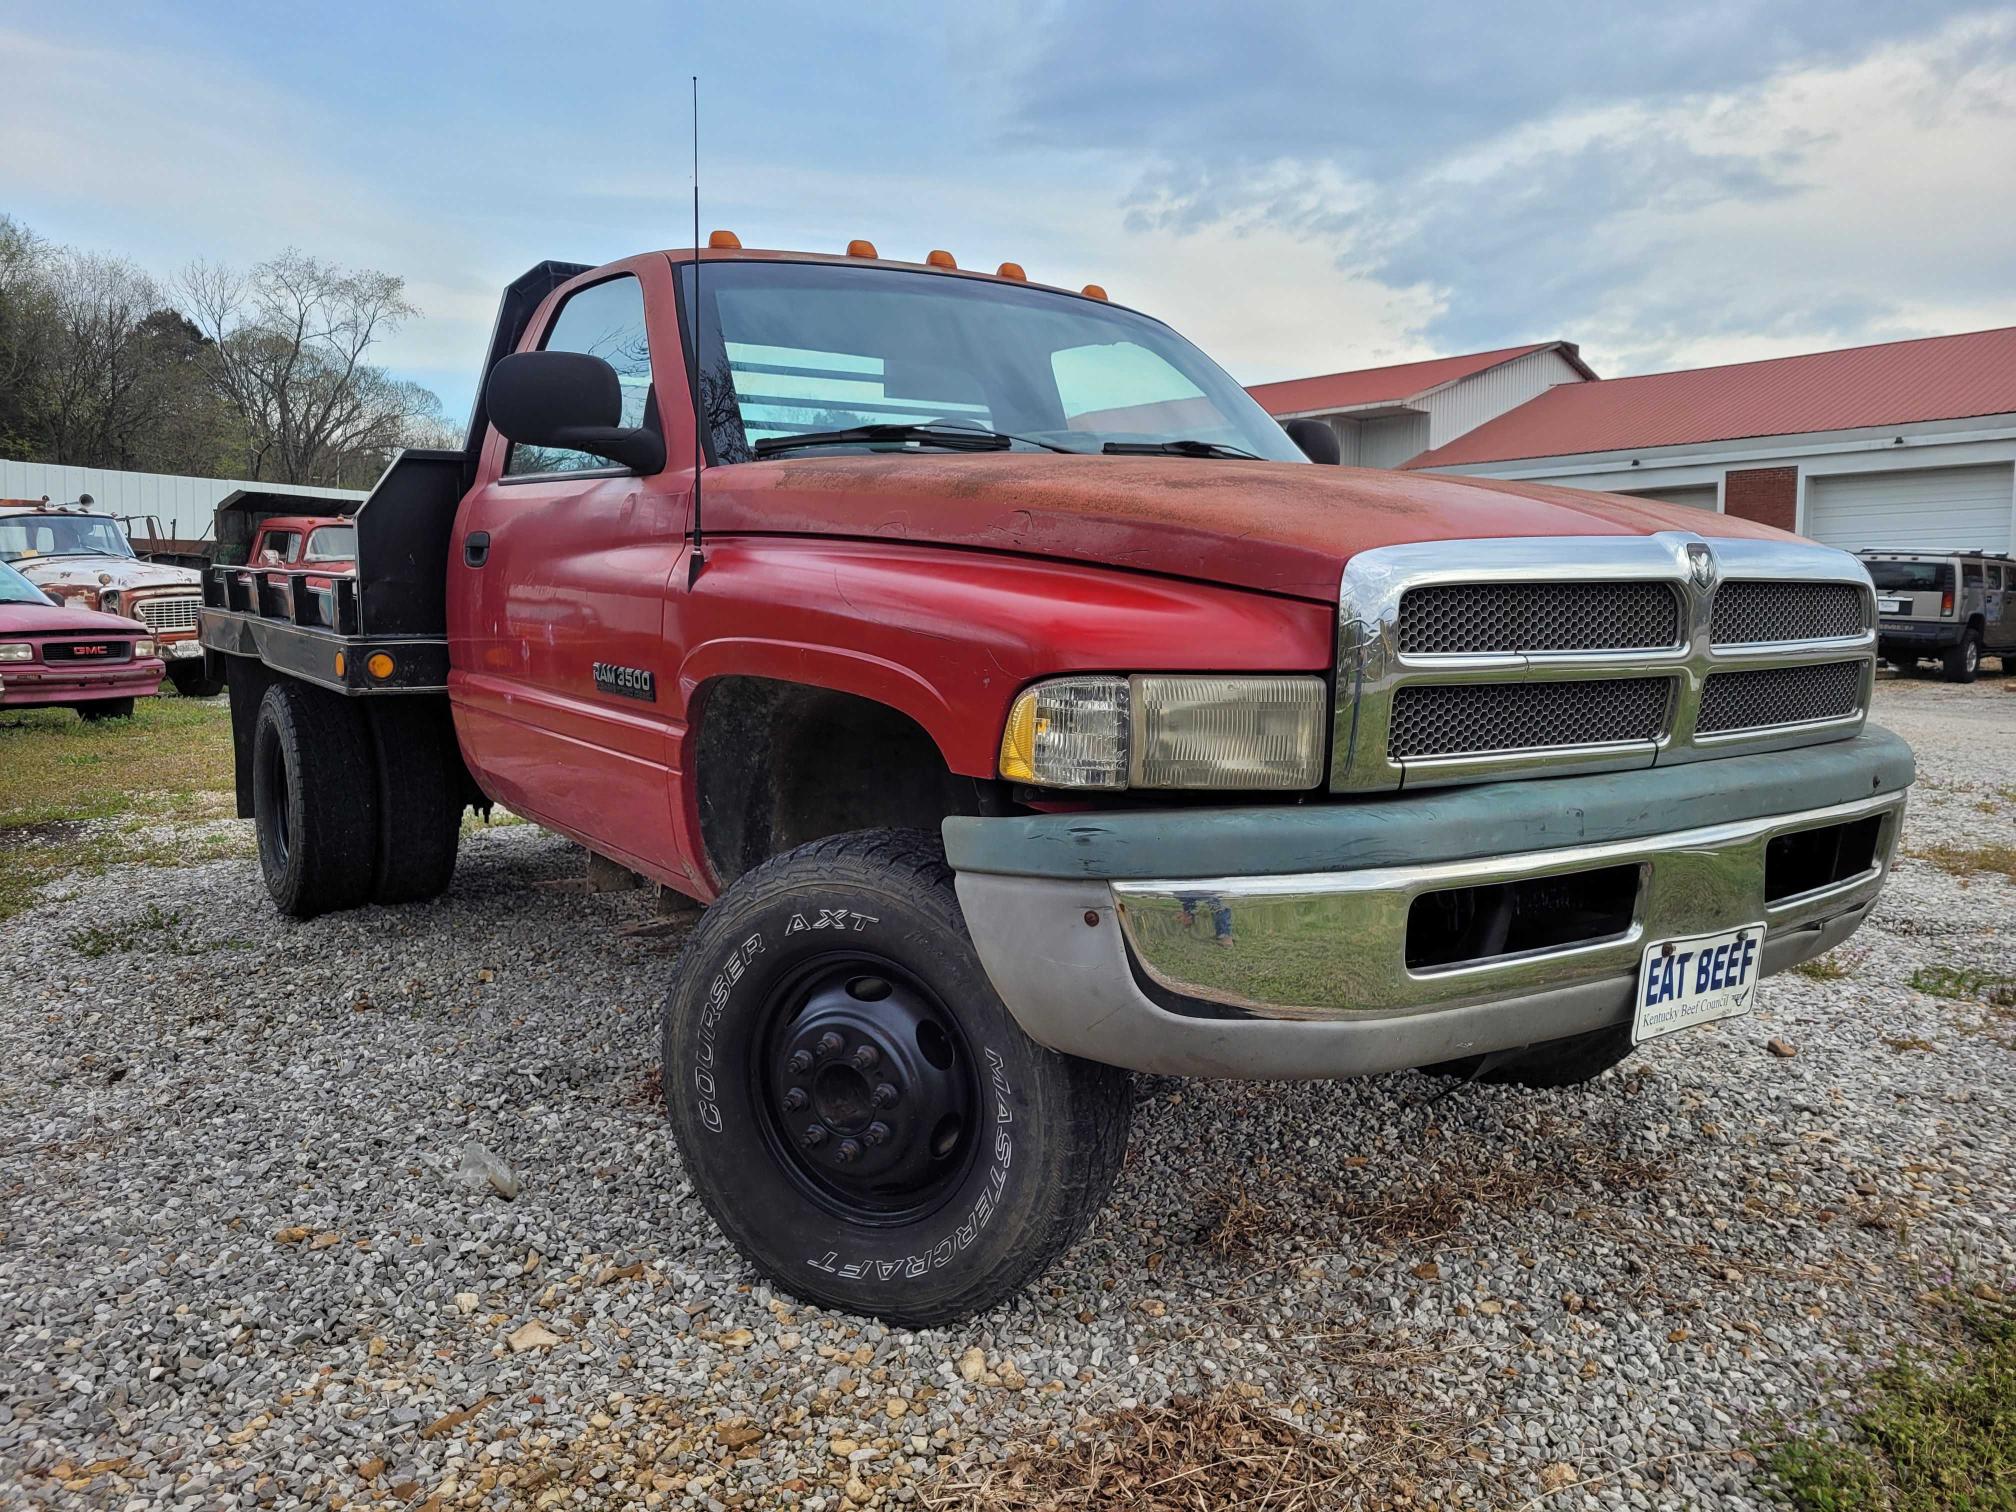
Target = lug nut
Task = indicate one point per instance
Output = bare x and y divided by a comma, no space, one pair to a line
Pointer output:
849,1151
814,1136
800,1062
795,1100
867,1058
876,1133
829,1044
884,1096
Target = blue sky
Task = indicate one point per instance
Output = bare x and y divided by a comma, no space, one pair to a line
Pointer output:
1300,188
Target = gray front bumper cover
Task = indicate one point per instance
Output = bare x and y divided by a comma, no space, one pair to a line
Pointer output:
1074,916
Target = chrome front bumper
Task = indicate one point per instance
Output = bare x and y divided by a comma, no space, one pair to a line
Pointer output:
1314,981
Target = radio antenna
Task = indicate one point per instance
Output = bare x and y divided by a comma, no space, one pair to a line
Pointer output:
699,557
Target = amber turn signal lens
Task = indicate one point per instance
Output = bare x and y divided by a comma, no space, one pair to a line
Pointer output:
860,248
938,257
342,662
1012,270
379,665
723,240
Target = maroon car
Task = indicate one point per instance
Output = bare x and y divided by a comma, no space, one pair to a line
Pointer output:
94,663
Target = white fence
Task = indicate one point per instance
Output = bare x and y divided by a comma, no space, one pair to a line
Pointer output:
184,506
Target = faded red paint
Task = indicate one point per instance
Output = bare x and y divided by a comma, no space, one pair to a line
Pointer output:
938,585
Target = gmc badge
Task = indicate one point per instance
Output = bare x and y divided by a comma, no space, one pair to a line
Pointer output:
626,682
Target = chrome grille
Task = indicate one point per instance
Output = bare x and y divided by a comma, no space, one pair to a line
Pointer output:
1780,696
169,612
1755,613
1473,618
1448,719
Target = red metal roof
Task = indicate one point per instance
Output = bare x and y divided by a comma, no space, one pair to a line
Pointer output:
1384,385
1933,378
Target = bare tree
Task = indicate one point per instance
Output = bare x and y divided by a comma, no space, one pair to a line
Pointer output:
104,391
288,344
27,323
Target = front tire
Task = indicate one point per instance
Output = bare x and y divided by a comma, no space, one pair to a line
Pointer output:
856,1107
314,800
189,681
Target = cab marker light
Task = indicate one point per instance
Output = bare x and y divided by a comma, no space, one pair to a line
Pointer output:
1012,270
1093,291
938,257
724,241
860,248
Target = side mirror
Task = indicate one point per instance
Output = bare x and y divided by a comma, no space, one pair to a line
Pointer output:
1317,440
571,400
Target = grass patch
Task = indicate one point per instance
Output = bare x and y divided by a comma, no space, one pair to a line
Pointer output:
1820,969
81,797
155,930
1965,984
1971,860
1933,1435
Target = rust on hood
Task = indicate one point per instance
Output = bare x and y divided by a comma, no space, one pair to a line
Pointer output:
1280,527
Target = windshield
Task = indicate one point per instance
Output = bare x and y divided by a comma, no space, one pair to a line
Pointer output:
23,537
16,589
800,348
332,543
1920,577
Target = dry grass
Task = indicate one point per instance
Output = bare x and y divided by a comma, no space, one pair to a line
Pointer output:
1221,1452
1971,860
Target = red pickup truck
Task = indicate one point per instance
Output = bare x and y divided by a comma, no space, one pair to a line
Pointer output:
1028,708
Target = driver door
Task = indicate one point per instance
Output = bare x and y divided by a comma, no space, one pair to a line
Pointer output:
560,572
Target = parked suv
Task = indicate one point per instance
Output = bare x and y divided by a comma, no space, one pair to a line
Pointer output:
1952,605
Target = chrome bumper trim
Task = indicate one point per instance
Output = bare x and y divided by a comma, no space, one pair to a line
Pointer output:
1316,983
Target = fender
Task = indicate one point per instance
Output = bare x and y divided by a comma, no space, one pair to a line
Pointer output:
949,636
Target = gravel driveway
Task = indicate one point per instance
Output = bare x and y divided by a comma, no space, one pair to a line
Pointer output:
241,1262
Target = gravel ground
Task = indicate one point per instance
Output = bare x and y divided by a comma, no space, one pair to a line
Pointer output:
241,1263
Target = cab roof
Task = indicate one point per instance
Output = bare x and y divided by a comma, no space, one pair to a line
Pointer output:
851,260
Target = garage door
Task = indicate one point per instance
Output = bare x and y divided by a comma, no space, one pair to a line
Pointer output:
1701,496
1943,508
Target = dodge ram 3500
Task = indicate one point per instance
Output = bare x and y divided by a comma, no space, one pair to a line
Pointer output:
1027,708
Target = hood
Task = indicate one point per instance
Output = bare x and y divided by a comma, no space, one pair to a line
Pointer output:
123,573
1281,527
47,619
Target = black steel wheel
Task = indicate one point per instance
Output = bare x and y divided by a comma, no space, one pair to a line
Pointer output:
854,1104
869,1088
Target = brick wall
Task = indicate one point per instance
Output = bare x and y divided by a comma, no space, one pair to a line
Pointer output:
1768,495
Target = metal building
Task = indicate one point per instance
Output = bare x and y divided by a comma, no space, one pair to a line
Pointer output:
184,506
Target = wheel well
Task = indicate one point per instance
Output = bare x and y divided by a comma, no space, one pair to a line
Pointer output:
778,764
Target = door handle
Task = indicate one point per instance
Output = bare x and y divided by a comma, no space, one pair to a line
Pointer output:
476,547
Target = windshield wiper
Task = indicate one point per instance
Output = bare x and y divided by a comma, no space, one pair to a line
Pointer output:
1183,448
930,433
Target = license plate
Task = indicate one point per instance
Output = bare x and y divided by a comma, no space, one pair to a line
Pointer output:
1697,980
1889,606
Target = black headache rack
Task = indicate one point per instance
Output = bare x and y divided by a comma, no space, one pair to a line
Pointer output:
385,628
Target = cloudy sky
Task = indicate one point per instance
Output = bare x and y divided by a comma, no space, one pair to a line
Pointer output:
1300,188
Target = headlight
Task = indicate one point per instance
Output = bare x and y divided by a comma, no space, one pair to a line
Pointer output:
1160,731
142,649
109,600
16,651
